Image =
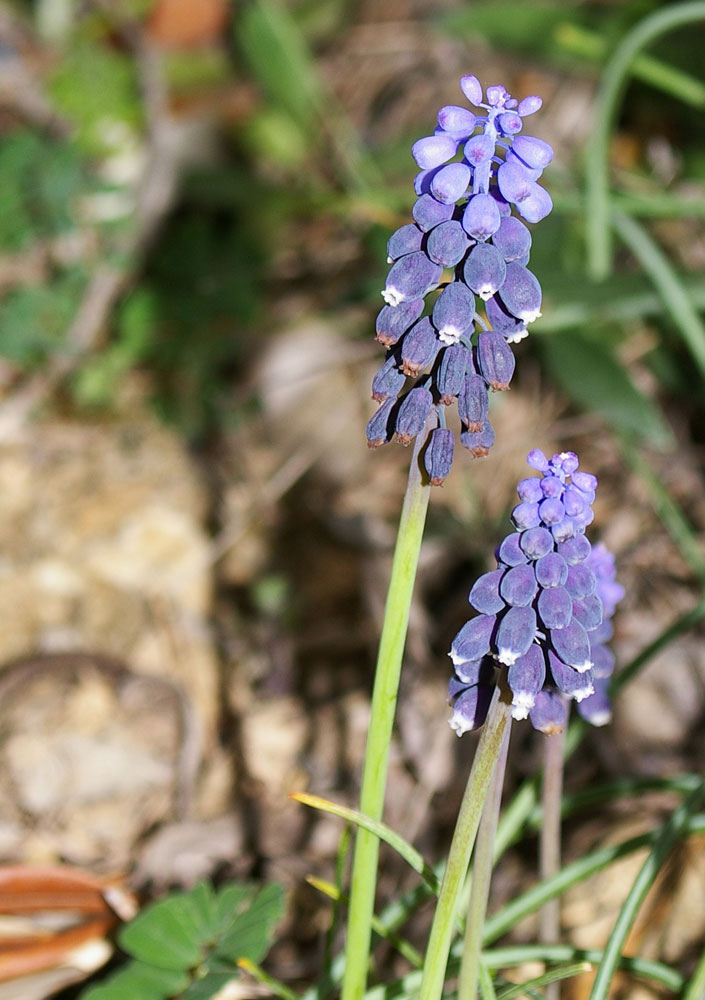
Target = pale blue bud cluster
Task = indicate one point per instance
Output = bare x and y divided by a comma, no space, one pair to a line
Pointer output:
475,169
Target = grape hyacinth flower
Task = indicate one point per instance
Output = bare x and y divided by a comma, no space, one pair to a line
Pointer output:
465,254
545,612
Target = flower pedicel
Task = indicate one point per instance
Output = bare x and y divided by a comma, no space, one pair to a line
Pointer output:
466,242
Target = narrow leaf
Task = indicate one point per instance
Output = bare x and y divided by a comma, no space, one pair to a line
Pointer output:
380,830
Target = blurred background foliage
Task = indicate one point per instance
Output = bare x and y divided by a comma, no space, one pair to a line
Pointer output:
285,182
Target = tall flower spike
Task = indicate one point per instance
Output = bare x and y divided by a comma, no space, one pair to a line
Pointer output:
476,170
545,612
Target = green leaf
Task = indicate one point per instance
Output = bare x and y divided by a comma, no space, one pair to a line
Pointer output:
209,986
507,22
139,981
167,934
280,59
589,374
248,933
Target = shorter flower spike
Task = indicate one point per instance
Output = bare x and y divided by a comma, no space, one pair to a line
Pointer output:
545,611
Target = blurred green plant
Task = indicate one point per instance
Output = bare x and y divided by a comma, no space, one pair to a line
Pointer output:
190,945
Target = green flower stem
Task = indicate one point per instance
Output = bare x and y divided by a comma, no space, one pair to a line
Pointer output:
550,841
669,835
482,864
384,700
614,80
483,765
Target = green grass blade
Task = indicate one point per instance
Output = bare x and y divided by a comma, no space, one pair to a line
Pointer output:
502,958
377,829
552,976
578,871
669,835
695,990
579,41
614,80
665,280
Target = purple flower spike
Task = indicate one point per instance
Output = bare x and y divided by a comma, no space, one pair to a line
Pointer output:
515,182
474,639
477,177
572,683
438,456
455,119
537,541
405,240
551,570
434,150
509,123
447,243
575,550
479,149
451,183
519,586
473,403
410,278
580,581
536,206
485,596
526,677
454,362
529,106
543,606
536,153
571,643
512,239
484,270
419,347
394,321
414,409
428,212
470,708
388,380
453,312
588,611
510,552
526,515
511,328
596,708
529,490
472,88
380,428
549,714
481,218
495,359
516,631
520,293
555,608
478,443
